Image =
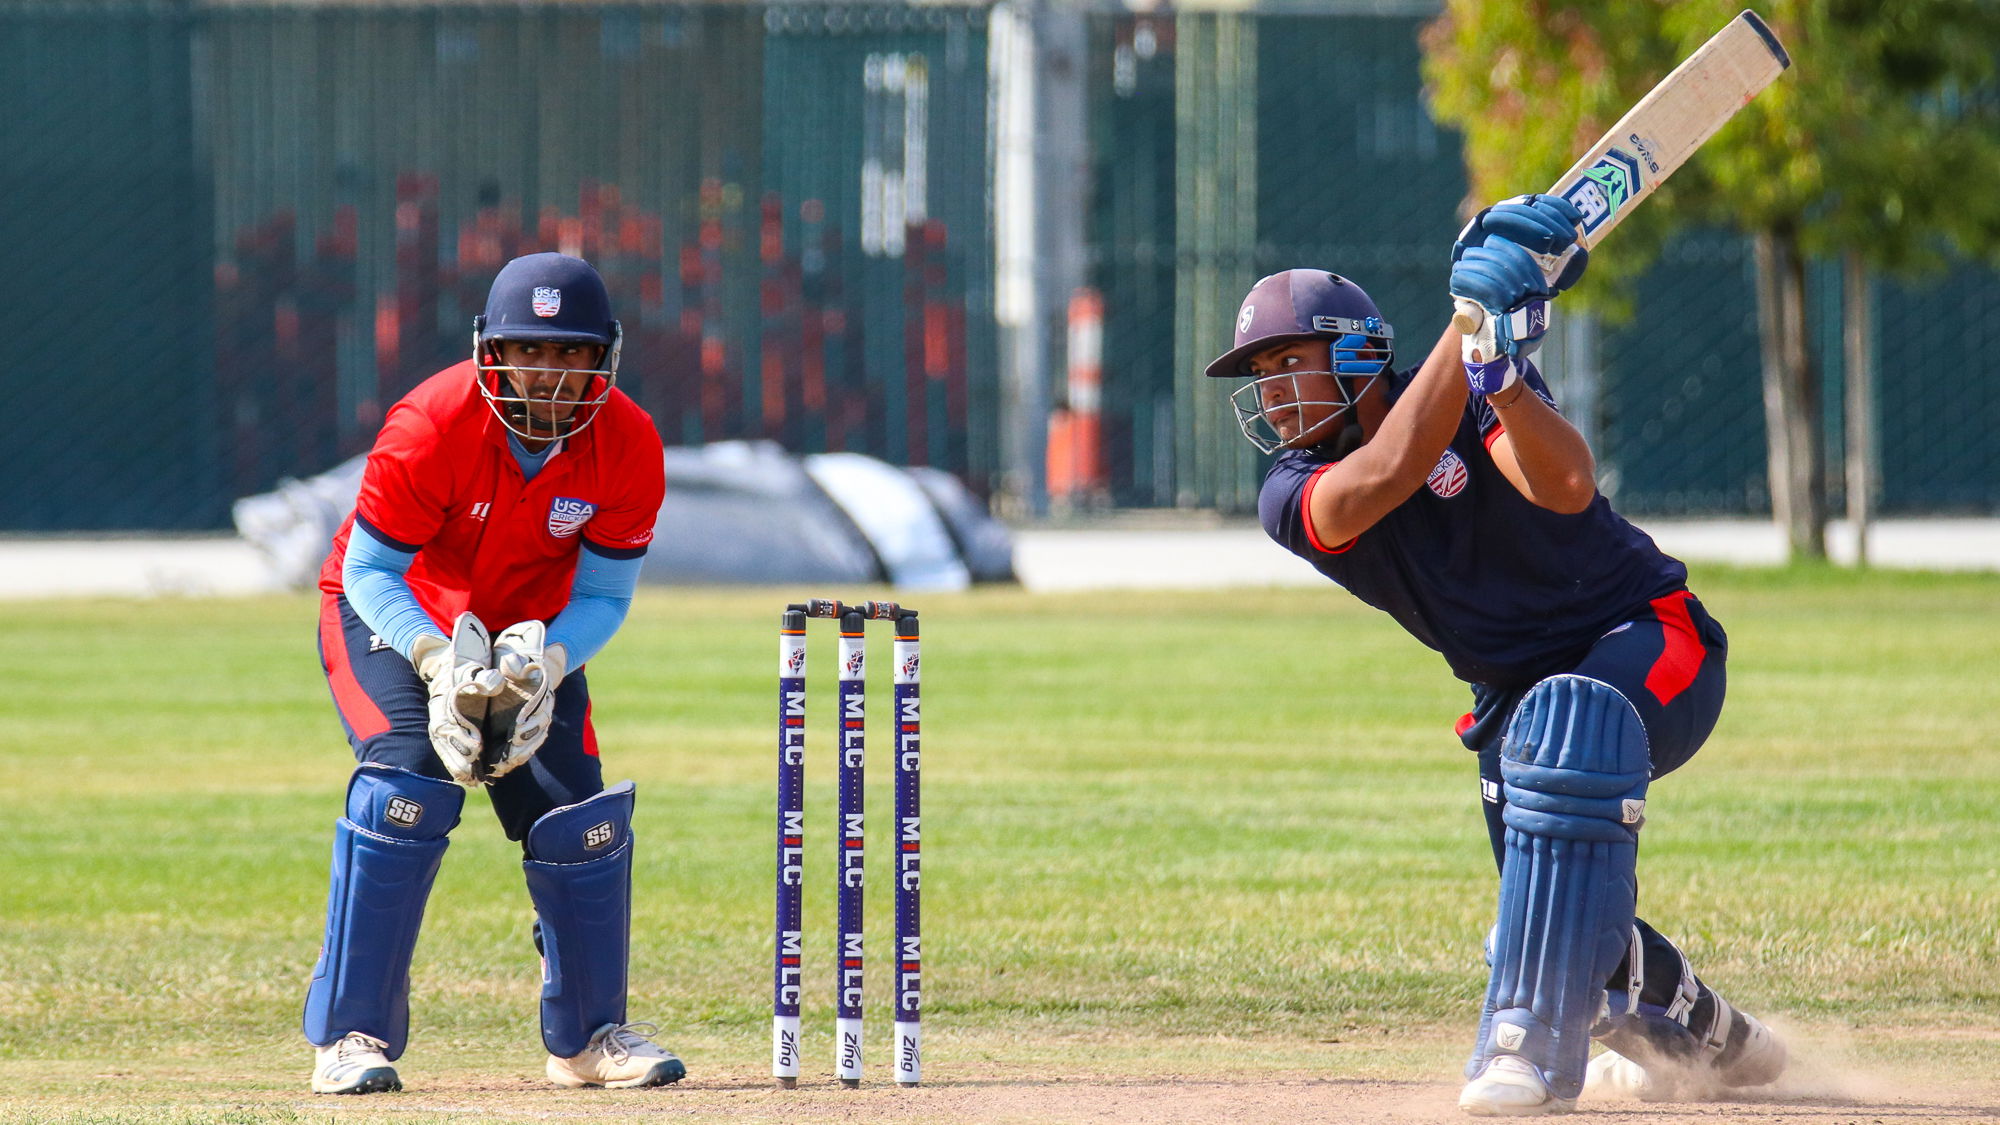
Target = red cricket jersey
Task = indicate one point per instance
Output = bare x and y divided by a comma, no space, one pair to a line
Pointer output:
441,481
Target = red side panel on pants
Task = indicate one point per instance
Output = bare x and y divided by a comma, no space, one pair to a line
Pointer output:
589,732
362,716
1681,656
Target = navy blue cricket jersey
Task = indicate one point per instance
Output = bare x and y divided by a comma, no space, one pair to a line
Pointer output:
1508,592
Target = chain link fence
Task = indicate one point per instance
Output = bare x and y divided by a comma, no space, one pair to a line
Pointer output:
242,231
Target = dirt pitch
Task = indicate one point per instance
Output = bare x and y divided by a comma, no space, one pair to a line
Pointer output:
990,1097
1165,1101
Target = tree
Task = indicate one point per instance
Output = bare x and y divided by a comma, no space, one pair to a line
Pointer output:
1881,144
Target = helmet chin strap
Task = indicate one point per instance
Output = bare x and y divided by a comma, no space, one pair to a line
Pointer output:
1346,441
530,425
1349,437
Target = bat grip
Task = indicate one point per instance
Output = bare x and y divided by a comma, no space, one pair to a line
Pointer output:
1467,315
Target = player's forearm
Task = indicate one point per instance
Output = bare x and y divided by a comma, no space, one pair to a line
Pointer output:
1396,461
371,574
1553,465
1416,430
599,598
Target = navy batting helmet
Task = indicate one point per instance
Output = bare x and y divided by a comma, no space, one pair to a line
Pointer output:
1304,305
556,299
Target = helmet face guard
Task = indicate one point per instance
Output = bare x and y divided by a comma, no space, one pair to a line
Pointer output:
1358,360
1293,306
558,301
515,405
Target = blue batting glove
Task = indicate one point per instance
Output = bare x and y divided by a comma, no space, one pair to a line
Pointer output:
1519,333
1516,334
1500,275
1545,224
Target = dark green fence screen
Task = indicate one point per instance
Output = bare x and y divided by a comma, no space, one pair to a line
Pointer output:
239,232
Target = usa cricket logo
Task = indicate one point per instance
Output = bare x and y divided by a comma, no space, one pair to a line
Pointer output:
547,301
567,516
795,662
1448,477
909,669
856,660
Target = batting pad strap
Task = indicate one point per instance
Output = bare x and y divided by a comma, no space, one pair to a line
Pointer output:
1604,824
1566,782
581,883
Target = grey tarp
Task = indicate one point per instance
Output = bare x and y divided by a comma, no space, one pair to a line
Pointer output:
735,512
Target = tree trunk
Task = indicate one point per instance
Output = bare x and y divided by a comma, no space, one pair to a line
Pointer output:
1791,397
1864,474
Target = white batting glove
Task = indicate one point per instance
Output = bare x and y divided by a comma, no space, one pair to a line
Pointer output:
527,669
459,696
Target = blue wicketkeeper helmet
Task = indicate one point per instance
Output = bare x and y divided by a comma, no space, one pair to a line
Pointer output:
553,298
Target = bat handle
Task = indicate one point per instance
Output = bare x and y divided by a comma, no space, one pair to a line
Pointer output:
1468,315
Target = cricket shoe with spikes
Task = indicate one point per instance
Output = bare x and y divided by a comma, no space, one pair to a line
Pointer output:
1510,1086
619,1056
353,1064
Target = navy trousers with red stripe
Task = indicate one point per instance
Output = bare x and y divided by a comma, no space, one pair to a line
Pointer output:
383,706
1668,661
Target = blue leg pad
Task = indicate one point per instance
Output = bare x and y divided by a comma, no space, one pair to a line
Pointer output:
386,852
1574,766
580,877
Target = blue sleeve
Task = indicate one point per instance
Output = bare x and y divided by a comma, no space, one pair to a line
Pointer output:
372,575
598,600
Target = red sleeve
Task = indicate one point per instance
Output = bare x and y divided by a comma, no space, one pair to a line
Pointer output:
624,525
405,486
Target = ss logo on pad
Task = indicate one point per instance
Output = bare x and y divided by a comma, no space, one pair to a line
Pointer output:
403,812
598,836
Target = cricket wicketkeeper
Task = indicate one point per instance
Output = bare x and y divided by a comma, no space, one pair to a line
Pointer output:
517,489
1457,499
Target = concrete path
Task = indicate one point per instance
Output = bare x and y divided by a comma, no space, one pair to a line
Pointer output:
1127,553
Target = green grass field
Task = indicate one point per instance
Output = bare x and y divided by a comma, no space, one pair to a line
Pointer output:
1164,834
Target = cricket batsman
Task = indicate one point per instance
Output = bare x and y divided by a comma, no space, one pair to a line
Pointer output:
516,490
1457,499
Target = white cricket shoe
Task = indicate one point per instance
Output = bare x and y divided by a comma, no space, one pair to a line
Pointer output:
620,1055
1613,1073
1510,1086
353,1064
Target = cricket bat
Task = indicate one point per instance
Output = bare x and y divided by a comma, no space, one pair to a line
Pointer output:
1657,135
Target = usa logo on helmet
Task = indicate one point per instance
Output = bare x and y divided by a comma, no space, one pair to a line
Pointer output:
547,301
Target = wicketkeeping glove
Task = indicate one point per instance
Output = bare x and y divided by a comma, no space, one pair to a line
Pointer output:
459,697
527,670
